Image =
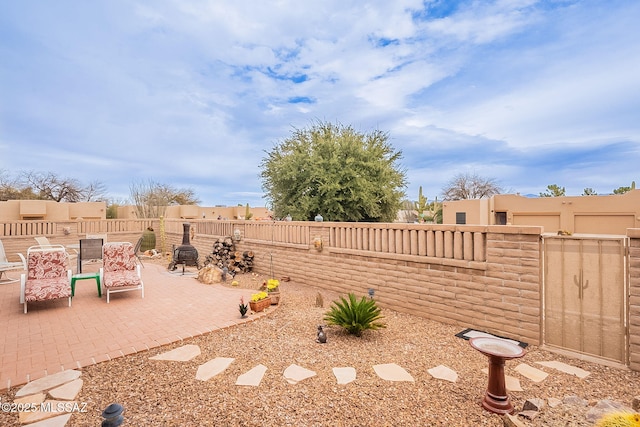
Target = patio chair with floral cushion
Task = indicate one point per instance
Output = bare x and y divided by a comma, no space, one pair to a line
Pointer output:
48,275
120,270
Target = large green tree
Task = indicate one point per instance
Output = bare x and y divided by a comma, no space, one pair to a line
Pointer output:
335,171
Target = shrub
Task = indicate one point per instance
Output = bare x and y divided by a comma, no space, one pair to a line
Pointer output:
355,316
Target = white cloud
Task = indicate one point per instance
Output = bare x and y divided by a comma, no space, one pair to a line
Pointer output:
187,90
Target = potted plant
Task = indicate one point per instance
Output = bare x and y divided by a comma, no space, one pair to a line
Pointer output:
273,289
260,301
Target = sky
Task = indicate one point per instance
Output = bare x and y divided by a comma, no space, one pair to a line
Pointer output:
193,94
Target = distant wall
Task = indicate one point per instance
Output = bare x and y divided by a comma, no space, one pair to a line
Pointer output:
35,210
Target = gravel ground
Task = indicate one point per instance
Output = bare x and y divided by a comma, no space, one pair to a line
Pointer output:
161,393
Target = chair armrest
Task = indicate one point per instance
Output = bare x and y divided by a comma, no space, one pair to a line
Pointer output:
24,261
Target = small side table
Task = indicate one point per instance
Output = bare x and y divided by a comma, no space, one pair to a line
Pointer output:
84,276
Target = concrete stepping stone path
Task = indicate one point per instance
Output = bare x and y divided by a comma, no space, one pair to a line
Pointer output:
567,369
530,372
392,372
294,374
55,407
253,377
344,375
59,421
68,391
180,354
52,398
442,372
48,382
213,367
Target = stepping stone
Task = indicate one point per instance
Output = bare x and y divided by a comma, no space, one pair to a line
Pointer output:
180,354
512,383
294,374
68,391
442,372
392,372
213,367
606,406
553,402
59,421
344,375
252,377
532,373
32,398
39,415
567,369
48,382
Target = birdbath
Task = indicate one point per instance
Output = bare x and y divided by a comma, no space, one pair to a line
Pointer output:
496,399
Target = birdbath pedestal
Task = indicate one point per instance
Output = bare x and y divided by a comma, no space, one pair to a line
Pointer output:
497,350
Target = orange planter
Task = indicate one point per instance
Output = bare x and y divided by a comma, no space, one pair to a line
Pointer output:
260,305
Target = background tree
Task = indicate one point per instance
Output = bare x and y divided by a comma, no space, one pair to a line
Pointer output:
622,190
553,191
334,171
47,186
470,186
589,192
151,198
94,192
11,189
435,208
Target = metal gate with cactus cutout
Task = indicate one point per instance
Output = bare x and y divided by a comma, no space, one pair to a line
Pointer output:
585,288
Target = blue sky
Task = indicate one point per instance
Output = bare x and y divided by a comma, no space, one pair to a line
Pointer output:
192,93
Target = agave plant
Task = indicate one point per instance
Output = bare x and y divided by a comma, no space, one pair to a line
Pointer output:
355,316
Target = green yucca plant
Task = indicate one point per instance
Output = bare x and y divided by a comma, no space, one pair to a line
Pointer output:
355,316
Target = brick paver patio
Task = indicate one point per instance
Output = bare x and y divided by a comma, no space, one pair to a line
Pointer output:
52,337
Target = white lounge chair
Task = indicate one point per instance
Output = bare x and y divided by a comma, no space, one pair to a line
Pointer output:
6,265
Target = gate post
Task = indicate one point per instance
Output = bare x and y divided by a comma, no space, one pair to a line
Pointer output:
634,298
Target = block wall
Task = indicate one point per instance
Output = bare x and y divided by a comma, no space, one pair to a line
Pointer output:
501,296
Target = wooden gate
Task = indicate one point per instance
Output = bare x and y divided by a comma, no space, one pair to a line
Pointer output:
585,296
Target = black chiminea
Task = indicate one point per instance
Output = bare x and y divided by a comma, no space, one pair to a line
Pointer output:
184,254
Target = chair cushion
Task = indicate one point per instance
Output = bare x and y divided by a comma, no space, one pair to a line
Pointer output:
118,257
46,289
116,279
47,265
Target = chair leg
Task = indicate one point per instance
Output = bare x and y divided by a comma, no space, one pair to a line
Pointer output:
25,307
69,301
